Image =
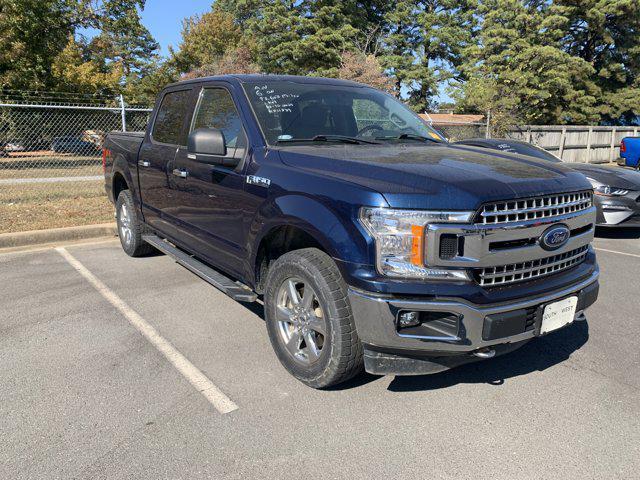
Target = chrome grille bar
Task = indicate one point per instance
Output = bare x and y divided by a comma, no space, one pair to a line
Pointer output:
548,206
529,270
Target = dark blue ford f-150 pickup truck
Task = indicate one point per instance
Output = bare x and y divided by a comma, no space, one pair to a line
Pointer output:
373,242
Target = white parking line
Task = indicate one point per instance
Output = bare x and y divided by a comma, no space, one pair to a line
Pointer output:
200,382
619,253
27,249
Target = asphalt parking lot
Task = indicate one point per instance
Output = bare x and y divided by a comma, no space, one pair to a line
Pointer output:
97,382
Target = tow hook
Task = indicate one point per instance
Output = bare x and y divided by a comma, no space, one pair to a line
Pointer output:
581,317
485,353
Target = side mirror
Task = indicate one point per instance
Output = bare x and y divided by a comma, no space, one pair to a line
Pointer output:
206,143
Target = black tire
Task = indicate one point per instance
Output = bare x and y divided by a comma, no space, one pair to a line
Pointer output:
341,355
131,242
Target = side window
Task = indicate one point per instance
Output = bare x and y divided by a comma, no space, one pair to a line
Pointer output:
170,118
217,110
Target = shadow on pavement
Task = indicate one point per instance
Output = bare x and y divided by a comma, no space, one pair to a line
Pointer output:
613,232
537,355
257,308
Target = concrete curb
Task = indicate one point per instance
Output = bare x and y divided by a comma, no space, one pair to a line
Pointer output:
40,237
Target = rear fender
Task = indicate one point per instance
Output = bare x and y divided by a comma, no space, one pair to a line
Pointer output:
122,167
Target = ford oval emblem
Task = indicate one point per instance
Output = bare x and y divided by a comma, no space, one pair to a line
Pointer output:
555,237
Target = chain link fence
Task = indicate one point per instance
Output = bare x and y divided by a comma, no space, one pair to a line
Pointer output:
53,138
51,157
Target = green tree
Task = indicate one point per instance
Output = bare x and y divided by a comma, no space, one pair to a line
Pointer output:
604,33
283,36
365,17
424,43
236,61
123,39
73,71
364,68
519,71
205,39
40,48
32,35
243,12
144,91
301,37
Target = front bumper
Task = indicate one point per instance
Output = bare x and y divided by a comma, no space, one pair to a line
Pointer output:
482,331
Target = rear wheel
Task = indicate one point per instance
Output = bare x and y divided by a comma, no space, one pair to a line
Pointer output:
309,319
130,229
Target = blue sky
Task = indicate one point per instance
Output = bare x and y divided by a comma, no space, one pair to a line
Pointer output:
163,18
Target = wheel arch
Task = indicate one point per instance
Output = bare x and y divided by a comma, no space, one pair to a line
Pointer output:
296,222
118,184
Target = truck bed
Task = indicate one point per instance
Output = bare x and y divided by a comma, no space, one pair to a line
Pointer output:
124,146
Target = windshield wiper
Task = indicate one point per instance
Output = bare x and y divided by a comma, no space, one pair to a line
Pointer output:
410,136
330,138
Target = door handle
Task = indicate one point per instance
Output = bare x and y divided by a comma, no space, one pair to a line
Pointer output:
180,173
144,163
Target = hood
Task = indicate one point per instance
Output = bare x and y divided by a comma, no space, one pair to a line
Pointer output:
612,176
436,176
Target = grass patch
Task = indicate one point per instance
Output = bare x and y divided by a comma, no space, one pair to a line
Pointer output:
80,171
59,165
53,205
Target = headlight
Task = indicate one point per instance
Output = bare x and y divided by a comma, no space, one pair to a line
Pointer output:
606,190
399,236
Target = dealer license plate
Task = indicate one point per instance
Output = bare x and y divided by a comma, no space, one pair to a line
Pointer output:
557,315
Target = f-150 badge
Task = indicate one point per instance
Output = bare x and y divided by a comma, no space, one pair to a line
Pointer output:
259,181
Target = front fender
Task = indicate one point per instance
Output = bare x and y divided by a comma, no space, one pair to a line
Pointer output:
335,228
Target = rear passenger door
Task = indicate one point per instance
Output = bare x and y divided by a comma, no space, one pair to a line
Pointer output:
168,133
209,197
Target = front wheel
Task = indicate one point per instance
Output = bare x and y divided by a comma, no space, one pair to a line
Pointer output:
309,319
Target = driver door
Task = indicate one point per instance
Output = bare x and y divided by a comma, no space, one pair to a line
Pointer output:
209,196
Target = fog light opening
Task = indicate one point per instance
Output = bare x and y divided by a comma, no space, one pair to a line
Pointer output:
425,324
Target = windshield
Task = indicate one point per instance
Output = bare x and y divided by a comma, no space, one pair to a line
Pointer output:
290,111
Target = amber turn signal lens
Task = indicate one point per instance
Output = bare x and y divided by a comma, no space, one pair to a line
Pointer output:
417,245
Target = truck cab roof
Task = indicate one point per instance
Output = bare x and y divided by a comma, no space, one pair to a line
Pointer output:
265,78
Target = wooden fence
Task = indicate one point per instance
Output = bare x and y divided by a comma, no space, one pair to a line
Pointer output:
582,144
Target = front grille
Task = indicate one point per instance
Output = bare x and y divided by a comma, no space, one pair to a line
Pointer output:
529,270
534,208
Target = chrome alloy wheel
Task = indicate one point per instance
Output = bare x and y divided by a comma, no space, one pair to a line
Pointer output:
301,321
125,227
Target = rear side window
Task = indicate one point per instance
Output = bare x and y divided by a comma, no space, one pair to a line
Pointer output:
217,110
170,118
